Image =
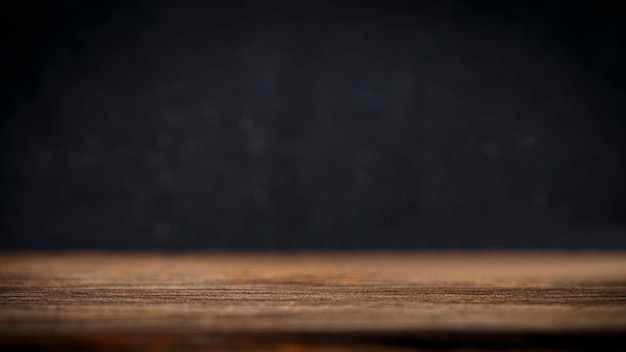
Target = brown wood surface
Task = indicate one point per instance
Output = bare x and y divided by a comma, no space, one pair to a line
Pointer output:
313,301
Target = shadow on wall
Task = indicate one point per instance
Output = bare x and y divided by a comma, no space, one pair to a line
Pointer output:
256,125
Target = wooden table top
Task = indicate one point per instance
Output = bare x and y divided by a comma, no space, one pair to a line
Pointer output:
313,301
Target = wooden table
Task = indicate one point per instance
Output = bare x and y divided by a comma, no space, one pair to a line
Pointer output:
313,301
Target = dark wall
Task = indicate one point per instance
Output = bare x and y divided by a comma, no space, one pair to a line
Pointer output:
278,124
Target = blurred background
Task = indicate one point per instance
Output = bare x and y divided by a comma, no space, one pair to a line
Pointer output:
312,124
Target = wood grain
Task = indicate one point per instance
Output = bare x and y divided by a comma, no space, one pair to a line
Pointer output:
313,301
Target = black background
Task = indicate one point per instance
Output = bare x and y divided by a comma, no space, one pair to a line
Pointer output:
303,125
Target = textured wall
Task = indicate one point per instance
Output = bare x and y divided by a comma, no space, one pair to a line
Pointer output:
269,125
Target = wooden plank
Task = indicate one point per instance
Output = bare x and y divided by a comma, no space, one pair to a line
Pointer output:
313,301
